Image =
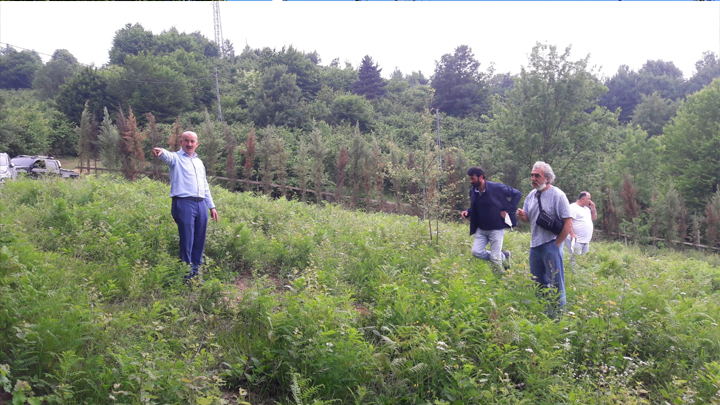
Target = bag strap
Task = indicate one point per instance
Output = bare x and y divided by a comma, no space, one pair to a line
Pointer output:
539,201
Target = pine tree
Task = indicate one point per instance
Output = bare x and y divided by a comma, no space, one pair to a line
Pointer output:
108,140
369,84
280,162
302,169
154,137
174,142
212,144
342,163
712,219
682,221
628,195
249,156
130,145
87,137
318,150
378,174
670,217
358,155
230,169
265,149
696,229
609,218
395,159
412,188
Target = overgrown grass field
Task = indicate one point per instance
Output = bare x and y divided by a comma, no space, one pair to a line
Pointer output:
308,305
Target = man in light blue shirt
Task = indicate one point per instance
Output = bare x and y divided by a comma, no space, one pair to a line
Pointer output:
191,199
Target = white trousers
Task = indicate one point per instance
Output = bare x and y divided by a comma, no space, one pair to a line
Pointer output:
495,238
580,249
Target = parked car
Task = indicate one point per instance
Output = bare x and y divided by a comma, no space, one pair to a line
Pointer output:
7,171
41,165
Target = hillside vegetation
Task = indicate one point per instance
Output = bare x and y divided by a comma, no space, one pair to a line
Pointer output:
316,305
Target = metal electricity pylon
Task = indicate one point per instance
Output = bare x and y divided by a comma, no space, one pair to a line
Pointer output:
218,27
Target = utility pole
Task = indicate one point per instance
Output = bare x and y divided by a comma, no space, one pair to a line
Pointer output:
437,123
217,89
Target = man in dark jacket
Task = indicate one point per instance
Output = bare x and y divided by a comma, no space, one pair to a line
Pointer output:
492,210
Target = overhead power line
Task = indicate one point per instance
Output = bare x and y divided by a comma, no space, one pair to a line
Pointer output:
39,53
165,82
123,80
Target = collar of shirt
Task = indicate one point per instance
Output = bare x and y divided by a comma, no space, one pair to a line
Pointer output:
186,154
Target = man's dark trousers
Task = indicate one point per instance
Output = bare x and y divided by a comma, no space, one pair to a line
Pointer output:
191,217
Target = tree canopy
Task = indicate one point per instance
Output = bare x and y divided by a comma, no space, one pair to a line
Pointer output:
17,69
369,84
551,114
693,145
53,74
460,87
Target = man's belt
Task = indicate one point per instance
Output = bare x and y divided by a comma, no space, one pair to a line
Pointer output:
196,199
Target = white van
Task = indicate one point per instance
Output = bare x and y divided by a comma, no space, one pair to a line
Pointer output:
6,168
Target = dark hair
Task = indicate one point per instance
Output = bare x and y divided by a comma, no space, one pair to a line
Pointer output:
583,194
475,171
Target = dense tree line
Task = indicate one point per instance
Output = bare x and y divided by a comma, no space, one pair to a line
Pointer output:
289,119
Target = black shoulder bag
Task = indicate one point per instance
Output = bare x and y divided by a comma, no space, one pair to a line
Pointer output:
547,221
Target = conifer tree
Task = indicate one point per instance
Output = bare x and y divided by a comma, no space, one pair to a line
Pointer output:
696,229
108,143
395,159
230,169
712,219
369,84
455,187
175,136
682,223
342,163
211,144
670,217
358,155
87,137
412,187
249,156
265,149
609,218
317,150
130,145
280,162
628,194
302,169
154,137
654,215
378,175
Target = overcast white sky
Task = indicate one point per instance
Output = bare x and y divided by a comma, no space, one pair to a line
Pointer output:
408,35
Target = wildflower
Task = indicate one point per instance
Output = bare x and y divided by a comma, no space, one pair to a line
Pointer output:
529,350
328,344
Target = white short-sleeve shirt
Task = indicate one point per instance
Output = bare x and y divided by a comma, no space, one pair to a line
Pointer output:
582,222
